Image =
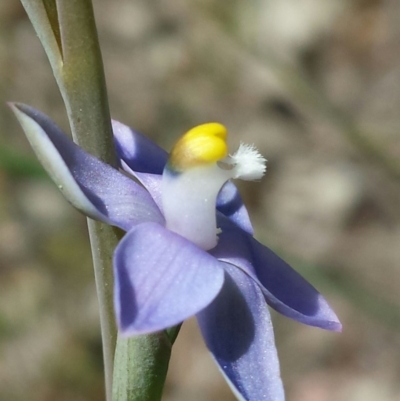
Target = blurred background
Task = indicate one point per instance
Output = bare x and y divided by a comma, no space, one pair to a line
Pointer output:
315,84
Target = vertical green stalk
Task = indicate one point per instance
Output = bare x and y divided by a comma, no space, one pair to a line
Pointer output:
83,88
68,33
141,365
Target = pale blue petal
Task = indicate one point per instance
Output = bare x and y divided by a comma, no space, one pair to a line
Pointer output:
238,331
161,279
138,152
92,186
230,204
152,183
284,289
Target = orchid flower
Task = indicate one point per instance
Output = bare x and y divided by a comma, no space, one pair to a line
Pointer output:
189,247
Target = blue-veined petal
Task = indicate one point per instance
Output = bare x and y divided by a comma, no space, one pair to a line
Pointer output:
238,331
140,157
152,182
230,204
92,186
138,152
284,289
161,279
292,290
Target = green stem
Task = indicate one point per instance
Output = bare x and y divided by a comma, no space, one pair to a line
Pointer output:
68,33
141,365
82,76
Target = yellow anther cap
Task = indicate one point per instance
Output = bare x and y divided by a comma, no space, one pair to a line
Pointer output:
201,145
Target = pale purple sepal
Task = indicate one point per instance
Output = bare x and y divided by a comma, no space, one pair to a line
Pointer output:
230,204
284,289
237,329
92,186
288,289
161,279
152,182
138,152
140,156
